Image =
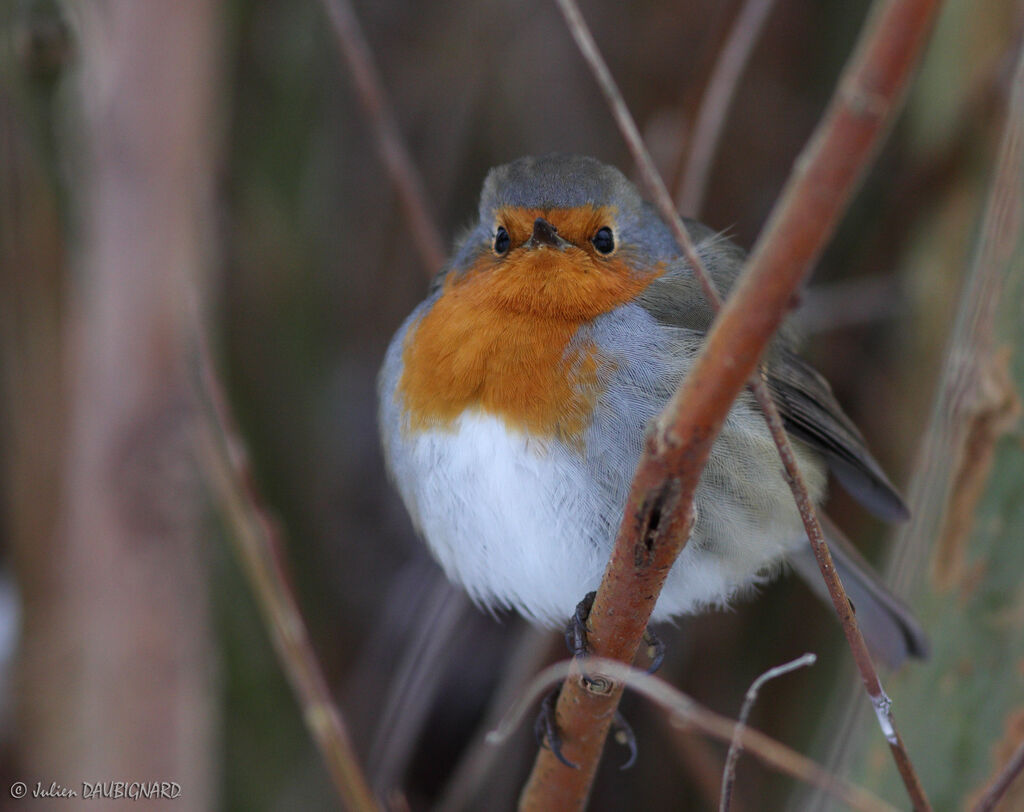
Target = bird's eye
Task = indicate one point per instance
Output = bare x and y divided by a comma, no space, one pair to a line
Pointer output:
501,241
604,240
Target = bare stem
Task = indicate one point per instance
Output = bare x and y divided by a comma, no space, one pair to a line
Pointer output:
1006,777
1000,233
259,543
686,712
635,142
659,511
736,745
718,98
390,145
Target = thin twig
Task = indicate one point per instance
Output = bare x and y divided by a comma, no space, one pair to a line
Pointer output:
259,543
686,712
659,511
1006,777
390,145
634,140
715,104
736,745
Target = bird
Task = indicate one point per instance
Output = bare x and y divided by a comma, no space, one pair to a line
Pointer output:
513,404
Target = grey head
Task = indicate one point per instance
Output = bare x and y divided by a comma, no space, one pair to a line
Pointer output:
562,181
556,181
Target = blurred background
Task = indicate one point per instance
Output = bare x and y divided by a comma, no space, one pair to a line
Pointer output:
240,123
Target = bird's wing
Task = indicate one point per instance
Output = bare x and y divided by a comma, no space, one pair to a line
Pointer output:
890,628
811,413
805,400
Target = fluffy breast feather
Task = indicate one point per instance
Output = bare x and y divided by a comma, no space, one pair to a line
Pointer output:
529,522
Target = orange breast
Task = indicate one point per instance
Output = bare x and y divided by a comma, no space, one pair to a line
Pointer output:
498,340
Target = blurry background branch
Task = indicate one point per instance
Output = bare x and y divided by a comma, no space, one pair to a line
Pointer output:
261,551
117,649
967,510
1010,773
715,103
377,109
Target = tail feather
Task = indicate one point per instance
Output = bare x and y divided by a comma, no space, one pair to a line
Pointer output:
890,629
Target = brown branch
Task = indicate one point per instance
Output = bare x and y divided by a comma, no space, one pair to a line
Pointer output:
736,744
844,608
715,104
388,139
659,510
119,653
972,341
1014,767
970,358
258,542
973,337
684,711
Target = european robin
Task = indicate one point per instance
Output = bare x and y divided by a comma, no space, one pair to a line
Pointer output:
514,400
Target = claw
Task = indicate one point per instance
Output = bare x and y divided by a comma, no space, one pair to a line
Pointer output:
624,736
546,728
576,632
655,650
576,629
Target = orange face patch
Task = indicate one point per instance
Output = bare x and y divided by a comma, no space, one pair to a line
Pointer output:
498,338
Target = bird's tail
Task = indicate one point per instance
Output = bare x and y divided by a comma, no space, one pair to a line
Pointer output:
889,628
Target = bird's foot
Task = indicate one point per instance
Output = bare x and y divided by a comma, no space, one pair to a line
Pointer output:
576,637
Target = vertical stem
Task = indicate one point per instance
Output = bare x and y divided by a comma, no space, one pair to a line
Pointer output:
132,690
389,141
718,97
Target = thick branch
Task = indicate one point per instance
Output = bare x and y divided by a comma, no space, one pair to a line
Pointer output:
667,476
125,688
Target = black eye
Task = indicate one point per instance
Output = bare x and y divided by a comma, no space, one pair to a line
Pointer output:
604,240
501,241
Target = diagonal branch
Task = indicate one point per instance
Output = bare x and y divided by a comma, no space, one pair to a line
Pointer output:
718,97
256,534
686,712
390,145
258,544
736,744
659,510
1010,773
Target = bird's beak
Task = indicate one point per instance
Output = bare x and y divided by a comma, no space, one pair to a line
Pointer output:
545,234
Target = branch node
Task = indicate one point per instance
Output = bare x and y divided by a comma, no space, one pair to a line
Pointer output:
599,685
883,710
656,506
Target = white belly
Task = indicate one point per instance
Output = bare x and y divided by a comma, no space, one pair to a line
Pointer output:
521,525
529,525
511,519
